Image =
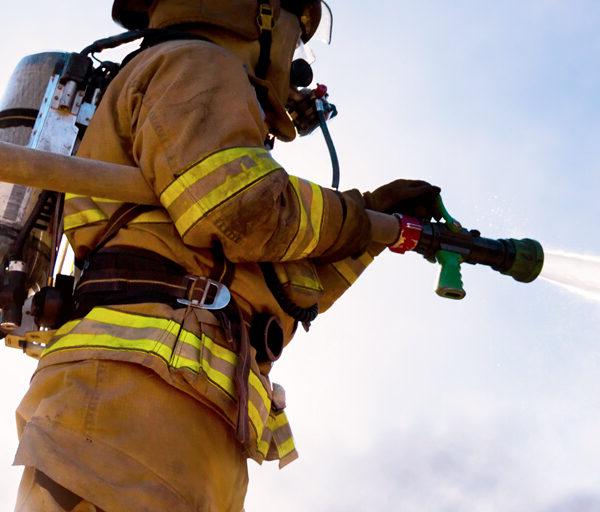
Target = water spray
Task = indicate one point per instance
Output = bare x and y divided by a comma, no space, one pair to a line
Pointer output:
578,273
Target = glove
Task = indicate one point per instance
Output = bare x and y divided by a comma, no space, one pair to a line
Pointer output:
355,233
411,197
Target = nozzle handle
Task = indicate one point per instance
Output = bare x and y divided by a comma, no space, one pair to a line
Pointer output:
450,285
452,224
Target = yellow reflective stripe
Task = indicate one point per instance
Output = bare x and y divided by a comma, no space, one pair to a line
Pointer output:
279,425
254,163
67,328
203,169
179,361
311,215
286,447
183,362
84,217
106,341
255,418
68,338
152,217
191,338
76,220
346,271
219,378
366,259
279,420
316,216
308,283
95,199
81,210
232,186
219,351
255,382
263,446
351,269
298,274
122,319
294,181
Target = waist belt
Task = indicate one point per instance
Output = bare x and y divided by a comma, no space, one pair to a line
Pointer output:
125,275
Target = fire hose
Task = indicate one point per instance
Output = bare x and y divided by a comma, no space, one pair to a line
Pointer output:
446,242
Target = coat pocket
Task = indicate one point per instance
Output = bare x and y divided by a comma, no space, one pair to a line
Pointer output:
300,282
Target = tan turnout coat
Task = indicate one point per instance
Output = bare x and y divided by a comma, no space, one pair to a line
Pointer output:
186,113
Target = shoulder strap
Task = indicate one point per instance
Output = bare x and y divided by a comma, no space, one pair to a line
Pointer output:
223,269
119,219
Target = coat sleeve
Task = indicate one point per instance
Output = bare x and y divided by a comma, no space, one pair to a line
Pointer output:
338,276
198,134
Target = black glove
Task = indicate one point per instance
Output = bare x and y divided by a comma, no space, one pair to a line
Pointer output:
411,197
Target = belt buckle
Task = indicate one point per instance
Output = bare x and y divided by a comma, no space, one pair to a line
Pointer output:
221,298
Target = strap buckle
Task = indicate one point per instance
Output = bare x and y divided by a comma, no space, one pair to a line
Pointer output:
215,295
265,18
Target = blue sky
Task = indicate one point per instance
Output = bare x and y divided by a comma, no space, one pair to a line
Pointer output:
400,400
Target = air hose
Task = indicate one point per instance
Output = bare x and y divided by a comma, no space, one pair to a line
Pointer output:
289,307
324,108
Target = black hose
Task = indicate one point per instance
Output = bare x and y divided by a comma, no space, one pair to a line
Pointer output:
298,313
115,41
335,164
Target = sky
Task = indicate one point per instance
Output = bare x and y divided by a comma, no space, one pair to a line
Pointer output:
400,400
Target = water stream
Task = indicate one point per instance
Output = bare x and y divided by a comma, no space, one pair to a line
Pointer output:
578,273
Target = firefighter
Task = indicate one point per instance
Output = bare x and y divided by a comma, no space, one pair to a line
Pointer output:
146,400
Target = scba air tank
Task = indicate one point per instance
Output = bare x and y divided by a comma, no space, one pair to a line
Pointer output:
19,109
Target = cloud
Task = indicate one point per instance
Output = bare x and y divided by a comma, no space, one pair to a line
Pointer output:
502,464
584,502
421,470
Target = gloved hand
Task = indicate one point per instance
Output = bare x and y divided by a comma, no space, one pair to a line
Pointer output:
411,197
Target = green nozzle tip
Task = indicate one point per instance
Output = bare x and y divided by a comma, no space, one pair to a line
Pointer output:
529,260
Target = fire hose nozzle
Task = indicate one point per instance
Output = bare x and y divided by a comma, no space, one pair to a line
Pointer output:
450,245
528,260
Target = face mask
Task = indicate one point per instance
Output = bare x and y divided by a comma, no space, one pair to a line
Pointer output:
301,74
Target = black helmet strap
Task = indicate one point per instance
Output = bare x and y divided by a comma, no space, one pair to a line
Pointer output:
266,22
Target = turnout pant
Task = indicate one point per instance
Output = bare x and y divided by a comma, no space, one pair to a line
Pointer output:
117,436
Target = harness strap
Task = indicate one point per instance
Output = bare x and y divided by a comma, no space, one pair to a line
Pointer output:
223,269
126,275
266,22
119,219
242,373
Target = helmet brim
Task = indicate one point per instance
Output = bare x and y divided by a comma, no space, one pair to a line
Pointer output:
131,14
308,13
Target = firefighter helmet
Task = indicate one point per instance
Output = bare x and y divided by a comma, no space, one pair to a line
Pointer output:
239,16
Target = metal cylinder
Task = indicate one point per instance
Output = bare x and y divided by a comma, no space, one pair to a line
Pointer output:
18,111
